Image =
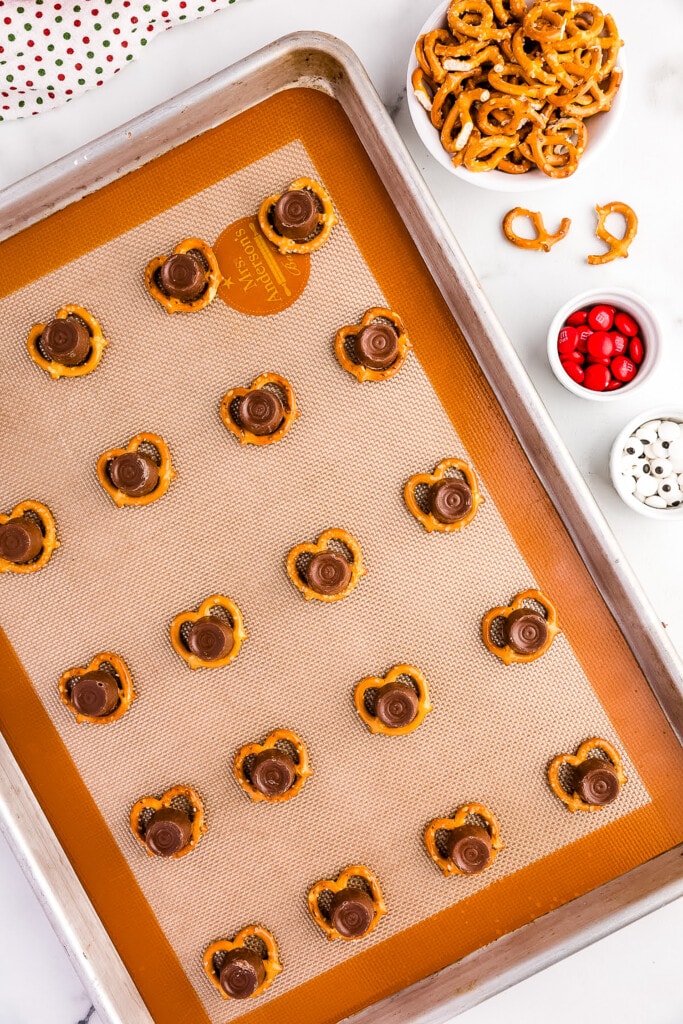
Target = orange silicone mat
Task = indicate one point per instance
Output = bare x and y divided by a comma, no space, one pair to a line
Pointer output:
345,460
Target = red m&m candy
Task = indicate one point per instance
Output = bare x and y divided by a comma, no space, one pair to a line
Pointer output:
626,324
578,318
620,342
600,347
584,333
601,318
623,369
566,339
573,370
636,350
597,377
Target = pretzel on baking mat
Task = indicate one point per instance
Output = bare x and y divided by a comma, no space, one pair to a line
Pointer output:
351,331
302,766
327,218
374,724
460,819
244,436
48,529
202,251
152,803
97,344
505,652
271,961
166,470
124,682
239,633
441,472
573,800
337,885
322,544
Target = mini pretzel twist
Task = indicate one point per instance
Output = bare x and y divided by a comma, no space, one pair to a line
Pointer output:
445,864
377,682
97,344
617,246
245,436
440,472
166,470
271,963
326,219
203,251
49,531
302,766
336,885
506,653
124,682
152,803
239,633
357,568
350,331
572,800
544,240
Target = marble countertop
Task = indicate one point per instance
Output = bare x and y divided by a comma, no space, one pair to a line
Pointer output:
634,975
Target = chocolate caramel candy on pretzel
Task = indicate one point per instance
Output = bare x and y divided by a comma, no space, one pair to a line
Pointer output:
21,540
352,912
376,346
241,973
95,694
182,276
525,631
261,412
210,638
450,499
596,781
469,847
328,573
396,704
295,215
133,473
66,341
272,772
168,831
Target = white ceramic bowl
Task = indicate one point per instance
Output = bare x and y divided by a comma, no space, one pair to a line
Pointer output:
600,129
650,332
617,476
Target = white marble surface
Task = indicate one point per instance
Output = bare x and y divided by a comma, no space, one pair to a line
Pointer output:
633,976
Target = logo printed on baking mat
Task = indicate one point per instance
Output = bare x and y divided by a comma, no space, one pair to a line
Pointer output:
258,280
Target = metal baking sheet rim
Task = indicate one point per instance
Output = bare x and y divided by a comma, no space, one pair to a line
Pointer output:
319,61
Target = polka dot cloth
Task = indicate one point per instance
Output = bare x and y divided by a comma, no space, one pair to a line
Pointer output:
52,51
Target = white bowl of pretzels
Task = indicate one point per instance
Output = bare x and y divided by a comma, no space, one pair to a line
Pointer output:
526,93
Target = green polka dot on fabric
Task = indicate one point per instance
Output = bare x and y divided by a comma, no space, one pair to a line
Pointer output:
11,39
59,19
39,99
90,54
98,71
50,47
97,26
67,35
105,42
143,42
42,72
59,62
10,78
81,81
114,15
28,26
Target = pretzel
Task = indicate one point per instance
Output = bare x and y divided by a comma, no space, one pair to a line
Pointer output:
573,801
285,391
239,634
377,682
336,885
350,331
205,254
166,471
271,962
124,681
428,519
302,766
327,219
543,240
97,344
506,653
357,567
49,531
152,803
617,246
445,864
558,57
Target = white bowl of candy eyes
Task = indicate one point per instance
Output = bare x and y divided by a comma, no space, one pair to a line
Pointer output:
646,464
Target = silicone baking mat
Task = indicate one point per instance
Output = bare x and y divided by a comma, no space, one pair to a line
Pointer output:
226,525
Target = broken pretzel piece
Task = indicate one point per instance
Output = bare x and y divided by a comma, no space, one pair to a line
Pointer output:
617,246
544,240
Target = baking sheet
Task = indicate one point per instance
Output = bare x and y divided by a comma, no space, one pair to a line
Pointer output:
454,637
